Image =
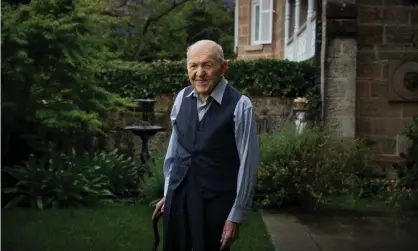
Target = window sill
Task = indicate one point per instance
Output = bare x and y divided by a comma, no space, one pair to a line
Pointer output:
258,47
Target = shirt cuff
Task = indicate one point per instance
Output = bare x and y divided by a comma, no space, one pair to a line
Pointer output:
166,187
237,215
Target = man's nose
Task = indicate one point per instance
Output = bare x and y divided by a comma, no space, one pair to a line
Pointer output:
200,72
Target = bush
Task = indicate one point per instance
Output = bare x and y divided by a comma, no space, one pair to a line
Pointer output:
119,169
71,180
263,77
408,169
151,184
305,168
403,192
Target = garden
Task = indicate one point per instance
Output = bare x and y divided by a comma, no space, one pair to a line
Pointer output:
65,71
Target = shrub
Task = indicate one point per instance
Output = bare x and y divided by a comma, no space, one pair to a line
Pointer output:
263,77
408,169
71,180
151,184
119,169
403,192
54,181
306,168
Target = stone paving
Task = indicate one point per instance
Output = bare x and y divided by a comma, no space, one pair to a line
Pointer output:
313,232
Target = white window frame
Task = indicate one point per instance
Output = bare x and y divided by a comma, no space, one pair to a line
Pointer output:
269,12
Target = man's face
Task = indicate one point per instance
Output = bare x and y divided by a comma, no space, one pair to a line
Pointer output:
205,70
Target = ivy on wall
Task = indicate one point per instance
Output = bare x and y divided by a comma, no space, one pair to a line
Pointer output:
264,77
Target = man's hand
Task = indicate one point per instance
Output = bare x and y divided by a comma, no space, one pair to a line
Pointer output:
159,207
229,234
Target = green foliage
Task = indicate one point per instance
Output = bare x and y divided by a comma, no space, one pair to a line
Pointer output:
264,77
71,180
52,51
183,21
404,190
119,169
408,170
306,168
411,131
52,181
210,20
151,184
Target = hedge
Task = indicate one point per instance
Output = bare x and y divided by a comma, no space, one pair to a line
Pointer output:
264,77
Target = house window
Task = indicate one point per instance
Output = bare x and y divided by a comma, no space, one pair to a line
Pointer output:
262,21
292,16
303,16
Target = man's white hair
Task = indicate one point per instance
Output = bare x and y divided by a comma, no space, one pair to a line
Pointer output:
219,50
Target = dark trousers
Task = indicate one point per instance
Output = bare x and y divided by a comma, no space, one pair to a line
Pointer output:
194,221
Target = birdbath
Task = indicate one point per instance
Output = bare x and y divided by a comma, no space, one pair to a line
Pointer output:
146,130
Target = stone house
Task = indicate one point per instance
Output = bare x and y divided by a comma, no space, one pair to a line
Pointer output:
365,51
275,29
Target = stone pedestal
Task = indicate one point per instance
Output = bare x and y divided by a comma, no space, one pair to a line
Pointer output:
301,122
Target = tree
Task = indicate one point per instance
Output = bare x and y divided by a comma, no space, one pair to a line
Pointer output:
149,29
212,20
52,52
155,29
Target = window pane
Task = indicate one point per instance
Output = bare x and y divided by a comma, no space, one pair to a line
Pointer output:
266,5
265,27
303,12
292,19
257,23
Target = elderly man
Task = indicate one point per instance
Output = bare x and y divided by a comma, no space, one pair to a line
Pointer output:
212,159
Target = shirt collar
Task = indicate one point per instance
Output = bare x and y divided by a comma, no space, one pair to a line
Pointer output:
217,93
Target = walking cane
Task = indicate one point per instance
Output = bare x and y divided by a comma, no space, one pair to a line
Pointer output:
156,233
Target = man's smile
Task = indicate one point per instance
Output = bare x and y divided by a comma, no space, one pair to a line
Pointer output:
202,82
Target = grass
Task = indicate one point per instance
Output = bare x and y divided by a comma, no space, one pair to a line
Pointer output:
369,206
359,206
355,204
112,227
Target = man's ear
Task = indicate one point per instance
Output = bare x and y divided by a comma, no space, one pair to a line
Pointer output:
225,66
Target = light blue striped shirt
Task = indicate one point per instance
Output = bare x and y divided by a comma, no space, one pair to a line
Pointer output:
246,141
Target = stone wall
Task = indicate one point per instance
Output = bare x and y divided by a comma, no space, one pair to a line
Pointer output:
271,113
367,51
385,52
246,51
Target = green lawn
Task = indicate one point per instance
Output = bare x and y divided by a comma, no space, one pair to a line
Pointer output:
113,227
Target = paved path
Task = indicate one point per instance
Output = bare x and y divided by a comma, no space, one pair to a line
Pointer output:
307,232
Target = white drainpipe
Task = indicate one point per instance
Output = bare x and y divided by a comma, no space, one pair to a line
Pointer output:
236,26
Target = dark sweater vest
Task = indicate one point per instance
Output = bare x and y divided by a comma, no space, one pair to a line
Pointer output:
207,148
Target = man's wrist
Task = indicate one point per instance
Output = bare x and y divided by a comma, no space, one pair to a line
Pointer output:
237,215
